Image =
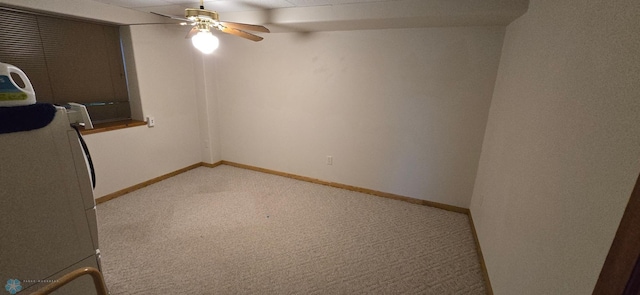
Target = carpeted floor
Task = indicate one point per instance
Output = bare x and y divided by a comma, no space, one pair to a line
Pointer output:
227,230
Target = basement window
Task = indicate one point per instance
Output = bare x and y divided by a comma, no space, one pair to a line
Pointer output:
68,60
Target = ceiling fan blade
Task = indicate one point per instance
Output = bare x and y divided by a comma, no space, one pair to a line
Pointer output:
192,32
141,24
240,33
170,16
245,27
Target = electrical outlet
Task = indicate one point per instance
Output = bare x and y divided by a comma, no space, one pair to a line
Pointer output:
329,160
151,121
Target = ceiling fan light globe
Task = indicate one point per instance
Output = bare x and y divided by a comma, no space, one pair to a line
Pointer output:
205,42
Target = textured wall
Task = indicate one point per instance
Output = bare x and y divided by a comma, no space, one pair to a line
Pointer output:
401,111
562,147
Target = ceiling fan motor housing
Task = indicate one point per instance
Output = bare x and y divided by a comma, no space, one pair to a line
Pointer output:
201,15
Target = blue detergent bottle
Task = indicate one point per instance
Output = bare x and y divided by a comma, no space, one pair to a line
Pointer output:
11,94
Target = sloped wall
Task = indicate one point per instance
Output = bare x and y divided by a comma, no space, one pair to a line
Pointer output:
562,147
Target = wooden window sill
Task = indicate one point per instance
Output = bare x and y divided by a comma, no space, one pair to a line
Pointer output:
103,127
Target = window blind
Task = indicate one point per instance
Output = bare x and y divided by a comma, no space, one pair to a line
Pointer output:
68,61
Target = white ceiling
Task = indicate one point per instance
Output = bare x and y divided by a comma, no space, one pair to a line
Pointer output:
176,7
297,15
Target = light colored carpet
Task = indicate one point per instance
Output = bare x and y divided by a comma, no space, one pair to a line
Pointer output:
227,230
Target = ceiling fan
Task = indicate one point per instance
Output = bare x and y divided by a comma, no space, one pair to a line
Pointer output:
203,21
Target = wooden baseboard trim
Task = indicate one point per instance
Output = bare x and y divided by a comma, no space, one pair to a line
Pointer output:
284,174
210,165
485,273
138,186
352,188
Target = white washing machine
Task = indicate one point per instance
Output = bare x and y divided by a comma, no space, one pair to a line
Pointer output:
48,223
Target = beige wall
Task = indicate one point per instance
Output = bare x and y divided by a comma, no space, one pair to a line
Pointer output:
401,111
562,147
